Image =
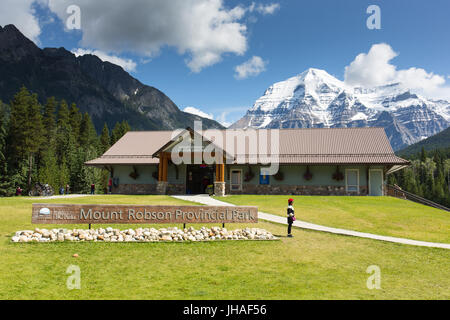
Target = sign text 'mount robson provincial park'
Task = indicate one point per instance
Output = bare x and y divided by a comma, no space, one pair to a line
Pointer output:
135,214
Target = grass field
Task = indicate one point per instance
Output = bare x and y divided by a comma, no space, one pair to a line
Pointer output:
312,265
380,215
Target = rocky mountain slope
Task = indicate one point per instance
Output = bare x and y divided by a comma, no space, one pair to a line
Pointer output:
314,98
104,90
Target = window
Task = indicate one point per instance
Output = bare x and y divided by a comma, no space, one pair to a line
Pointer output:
236,180
352,180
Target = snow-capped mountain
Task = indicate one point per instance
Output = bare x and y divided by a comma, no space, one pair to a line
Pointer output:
314,98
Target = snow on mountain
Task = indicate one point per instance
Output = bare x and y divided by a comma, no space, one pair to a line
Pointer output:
314,98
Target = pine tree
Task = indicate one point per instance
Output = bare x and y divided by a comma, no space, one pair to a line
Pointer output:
104,146
89,149
63,114
48,169
64,174
104,139
119,131
125,128
49,118
63,132
47,161
88,135
423,155
17,123
26,130
6,185
75,120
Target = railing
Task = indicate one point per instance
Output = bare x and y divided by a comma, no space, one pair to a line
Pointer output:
397,192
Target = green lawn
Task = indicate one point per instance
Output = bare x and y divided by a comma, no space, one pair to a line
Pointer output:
312,265
380,215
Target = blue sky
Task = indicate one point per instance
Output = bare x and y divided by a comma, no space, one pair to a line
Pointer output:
288,37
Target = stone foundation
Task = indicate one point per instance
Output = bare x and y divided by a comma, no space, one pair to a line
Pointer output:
176,189
160,188
219,189
296,190
222,188
134,189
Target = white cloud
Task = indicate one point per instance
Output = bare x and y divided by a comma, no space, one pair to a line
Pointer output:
375,68
222,119
22,15
198,112
250,68
204,30
226,117
127,64
230,115
264,9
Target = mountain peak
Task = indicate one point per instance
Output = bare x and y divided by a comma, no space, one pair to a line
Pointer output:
314,72
14,45
313,75
314,98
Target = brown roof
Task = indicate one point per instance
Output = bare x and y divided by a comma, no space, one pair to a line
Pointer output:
303,146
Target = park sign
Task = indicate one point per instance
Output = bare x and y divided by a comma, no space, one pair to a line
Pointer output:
136,214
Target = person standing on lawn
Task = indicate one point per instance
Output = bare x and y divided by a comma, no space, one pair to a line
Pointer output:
110,183
290,216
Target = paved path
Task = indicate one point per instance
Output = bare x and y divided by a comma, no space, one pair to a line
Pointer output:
205,199
67,196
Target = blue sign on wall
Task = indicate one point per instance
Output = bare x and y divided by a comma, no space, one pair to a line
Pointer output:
264,179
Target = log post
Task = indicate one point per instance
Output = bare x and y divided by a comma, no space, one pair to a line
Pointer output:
219,184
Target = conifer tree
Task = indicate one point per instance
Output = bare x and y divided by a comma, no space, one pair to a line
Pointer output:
64,174
26,130
75,120
104,139
49,118
104,146
88,135
119,131
423,155
6,185
63,132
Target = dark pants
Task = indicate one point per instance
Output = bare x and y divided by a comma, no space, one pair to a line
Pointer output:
290,221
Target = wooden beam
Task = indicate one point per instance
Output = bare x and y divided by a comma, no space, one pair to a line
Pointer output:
160,168
165,165
220,172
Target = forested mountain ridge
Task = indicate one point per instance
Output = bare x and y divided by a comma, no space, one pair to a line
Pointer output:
438,141
49,144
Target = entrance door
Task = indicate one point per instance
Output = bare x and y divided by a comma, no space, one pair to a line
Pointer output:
198,177
376,182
